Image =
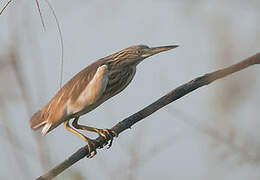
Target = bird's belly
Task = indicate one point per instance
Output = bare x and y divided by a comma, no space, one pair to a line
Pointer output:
87,109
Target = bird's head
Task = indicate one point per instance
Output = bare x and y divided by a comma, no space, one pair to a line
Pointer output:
135,54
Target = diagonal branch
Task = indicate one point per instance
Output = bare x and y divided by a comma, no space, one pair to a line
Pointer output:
163,101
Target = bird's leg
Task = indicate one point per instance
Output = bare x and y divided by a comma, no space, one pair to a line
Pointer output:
90,142
107,134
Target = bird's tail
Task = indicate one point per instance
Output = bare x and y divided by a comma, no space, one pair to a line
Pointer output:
37,120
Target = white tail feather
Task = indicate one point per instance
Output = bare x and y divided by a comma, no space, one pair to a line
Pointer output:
46,128
39,125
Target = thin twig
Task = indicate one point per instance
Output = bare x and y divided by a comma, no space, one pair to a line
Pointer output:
40,12
163,101
61,40
59,31
2,10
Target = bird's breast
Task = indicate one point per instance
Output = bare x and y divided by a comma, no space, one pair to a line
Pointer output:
118,80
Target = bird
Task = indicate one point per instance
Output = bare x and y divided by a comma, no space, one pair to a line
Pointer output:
88,89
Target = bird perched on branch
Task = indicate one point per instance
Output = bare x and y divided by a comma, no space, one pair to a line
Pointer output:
88,89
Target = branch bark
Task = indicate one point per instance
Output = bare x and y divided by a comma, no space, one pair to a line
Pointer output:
163,101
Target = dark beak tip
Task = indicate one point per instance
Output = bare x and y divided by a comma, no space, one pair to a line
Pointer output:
174,46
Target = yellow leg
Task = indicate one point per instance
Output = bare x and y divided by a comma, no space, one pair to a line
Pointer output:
90,142
105,133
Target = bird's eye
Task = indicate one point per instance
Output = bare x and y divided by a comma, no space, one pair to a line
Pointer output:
139,51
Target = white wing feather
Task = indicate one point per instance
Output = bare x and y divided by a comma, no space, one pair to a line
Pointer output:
92,92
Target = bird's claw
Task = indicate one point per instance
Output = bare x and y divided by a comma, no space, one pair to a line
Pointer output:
107,134
91,149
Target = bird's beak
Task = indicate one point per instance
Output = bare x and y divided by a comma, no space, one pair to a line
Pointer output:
156,50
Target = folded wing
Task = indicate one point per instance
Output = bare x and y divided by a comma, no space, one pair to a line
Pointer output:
80,92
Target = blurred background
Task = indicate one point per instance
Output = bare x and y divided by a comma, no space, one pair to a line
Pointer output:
212,133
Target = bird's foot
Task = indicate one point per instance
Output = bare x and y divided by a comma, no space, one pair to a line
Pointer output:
108,135
91,148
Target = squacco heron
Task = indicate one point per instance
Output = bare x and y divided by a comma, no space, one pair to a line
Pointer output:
88,89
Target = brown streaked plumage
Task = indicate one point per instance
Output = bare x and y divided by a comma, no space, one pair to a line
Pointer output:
91,87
